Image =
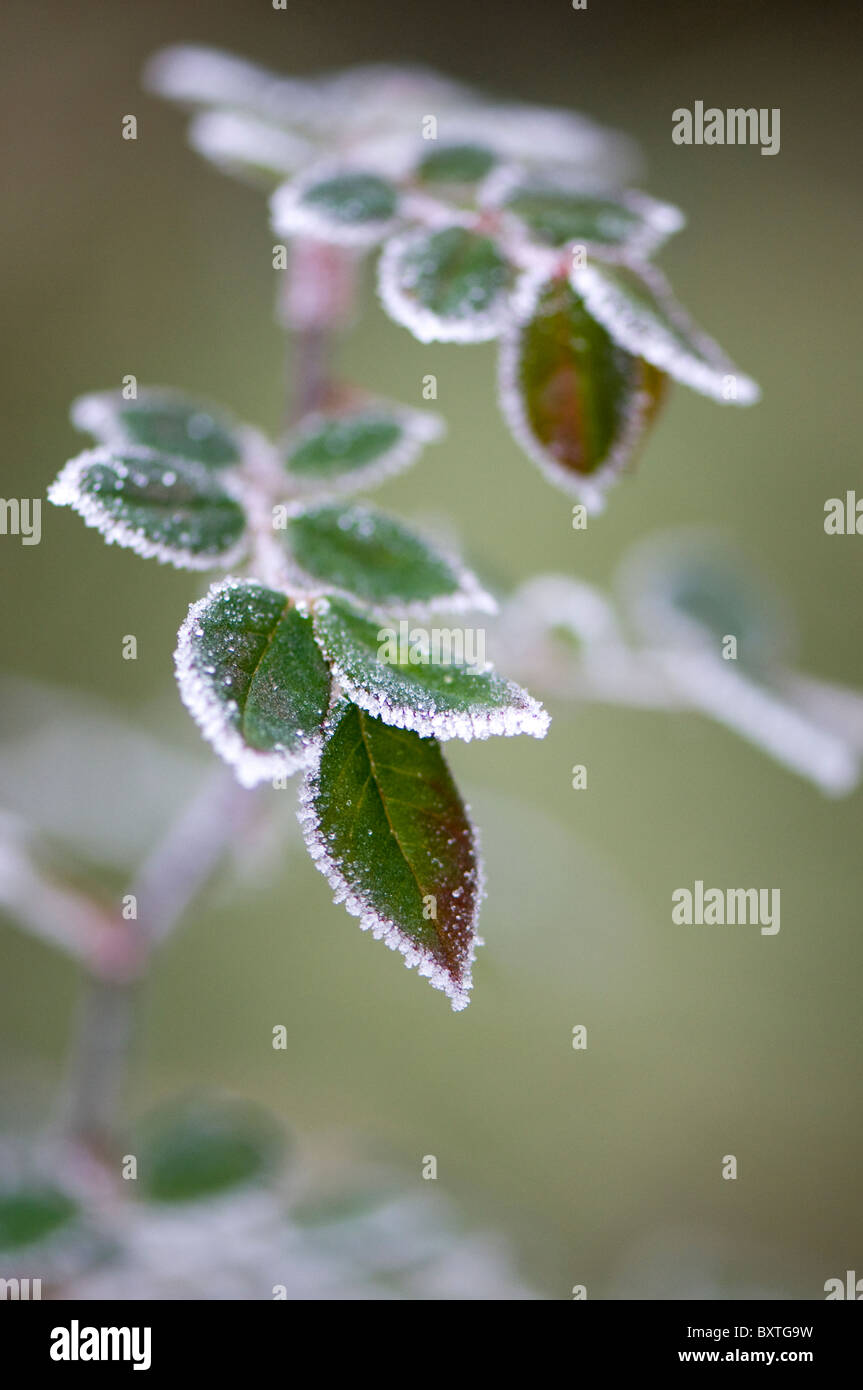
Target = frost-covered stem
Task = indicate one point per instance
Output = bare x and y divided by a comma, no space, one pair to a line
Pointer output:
171,877
316,303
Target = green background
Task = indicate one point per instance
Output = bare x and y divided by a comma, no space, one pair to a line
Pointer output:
603,1166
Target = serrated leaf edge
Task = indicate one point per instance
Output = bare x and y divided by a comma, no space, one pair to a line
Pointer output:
589,490
623,326
426,326
524,716
65,491
468,597
251,765
384,928
660,220
291,217
419,428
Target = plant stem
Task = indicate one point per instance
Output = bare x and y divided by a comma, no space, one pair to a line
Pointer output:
176,871
315,303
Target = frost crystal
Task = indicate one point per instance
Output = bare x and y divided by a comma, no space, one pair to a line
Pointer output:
590,489
338,436
359,905
435,700
637,308
214,710
475,314
620,217
345,204
94,485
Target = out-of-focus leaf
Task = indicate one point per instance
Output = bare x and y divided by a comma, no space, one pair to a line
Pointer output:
203,1148
449,285
240,144
358,446
384,821
556,212
446,700
163,420
174,509
691,590
199,76
253,679
449,163
31,1213
575,400
369,555
351,206
636,306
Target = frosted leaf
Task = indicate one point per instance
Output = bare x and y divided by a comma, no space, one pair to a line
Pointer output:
358,446
690,589
636,306
550,602
363,553
576,402
45,1232
242,144
203,1147
165,420
253,679
383,820
202,76
545,137
448,162
433,693
341,204
176,510
448,285
557,209
384,97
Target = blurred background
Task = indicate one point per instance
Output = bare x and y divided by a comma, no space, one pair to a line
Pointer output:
600,1167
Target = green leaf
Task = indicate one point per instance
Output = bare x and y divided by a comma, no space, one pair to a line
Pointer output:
636,306
556,212
370,556
174,509
162,420
32,1213
203,1148
252,677
407,677
350,206
384,821
450,285
460,163
575,400
359,446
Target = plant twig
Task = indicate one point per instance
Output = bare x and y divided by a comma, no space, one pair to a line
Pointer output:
172,876
314,305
